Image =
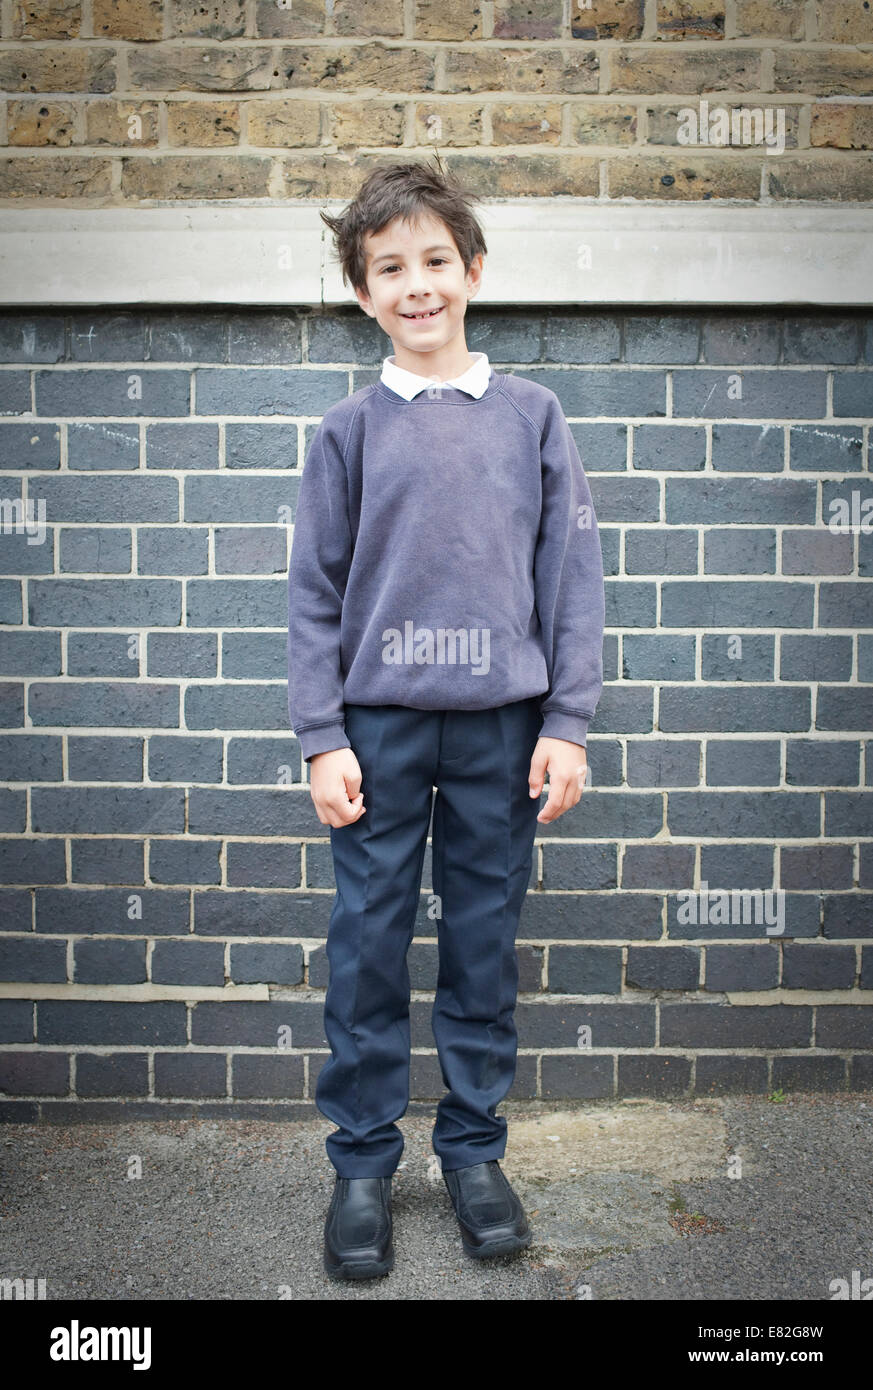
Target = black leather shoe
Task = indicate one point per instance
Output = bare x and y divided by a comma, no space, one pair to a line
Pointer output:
358,1230
489,1213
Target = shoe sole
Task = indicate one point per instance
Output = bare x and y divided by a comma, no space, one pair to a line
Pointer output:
509,1245
360,1269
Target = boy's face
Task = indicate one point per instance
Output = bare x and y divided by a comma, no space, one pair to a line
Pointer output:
413,270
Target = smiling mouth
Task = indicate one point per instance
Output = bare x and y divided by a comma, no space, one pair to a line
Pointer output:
425,314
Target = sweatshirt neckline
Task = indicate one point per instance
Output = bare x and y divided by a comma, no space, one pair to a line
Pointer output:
458,396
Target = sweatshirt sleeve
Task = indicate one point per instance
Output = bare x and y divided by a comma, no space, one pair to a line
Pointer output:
321,553
568,586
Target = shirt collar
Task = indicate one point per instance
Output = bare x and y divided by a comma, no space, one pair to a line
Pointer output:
408,384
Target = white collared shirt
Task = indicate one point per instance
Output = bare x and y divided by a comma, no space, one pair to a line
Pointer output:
408,384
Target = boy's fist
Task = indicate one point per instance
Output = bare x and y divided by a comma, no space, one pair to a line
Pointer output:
566,764
335,785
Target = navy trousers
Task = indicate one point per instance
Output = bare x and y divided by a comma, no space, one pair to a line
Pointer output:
484,825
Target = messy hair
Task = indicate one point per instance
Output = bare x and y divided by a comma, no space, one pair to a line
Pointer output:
403,190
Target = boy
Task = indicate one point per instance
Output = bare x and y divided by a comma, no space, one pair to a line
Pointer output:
445,628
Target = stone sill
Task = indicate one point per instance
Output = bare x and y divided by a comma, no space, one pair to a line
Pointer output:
540,251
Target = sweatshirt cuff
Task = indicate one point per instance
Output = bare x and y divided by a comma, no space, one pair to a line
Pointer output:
322,738
572,727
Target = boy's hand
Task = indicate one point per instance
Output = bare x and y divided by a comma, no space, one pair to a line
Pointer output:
335,785
566,764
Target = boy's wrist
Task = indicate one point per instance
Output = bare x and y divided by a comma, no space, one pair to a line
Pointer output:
324,738
572,727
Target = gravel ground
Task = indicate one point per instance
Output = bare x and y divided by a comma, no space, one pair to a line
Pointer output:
629,1200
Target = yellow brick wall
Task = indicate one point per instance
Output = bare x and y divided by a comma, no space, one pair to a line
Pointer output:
121,102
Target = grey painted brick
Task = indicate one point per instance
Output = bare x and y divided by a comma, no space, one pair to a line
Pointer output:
19,558
815,657
236,706
113,704
734,762
188,963
97,758
734,1075
31,757
29,862
604,759
106,861
591,916
627,711
26,446
24,959
193,444
653,1076
253,864
190,1074
626,499
847,915
733,338
657,866
582,867
741,967
617,394
581,337
263,761
585,970
186,336
127,603
736,1025
660,337
817,866
826,448
250,550
612,1025
30,654
11,704
237,602
112,1074
253,444
602,448
853,393
172,550
257,1076
255,655
809,1073
110,962
240,499
31,337
507,335
578,1077
229,913
865,658
280,812
82,911
15,394
660,552
669,447
735,550
258,1024
423,963
610,549
663,762
842,707
741,709
13,809
748,448
182,654
94,446
737,865
530,969
842,1025
773,395
630,603
749,659
866,981
841,605
818,967
267,963
103,653
99,391
764,501
16,1021
848,813
816,552
827,338
815,762
103,550
107,335
802,914
175,758
663,967
265,335
319,867
160,1024
183,860
34,1073
719,603
350,337
657,658
718,815
265,391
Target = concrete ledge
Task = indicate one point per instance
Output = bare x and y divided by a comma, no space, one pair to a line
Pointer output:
136,994
540,251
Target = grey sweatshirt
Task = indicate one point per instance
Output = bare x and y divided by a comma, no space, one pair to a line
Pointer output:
445,555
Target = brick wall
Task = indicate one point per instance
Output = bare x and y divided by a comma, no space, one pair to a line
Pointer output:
166,884
129,101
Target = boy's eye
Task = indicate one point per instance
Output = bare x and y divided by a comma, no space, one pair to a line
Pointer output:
434,260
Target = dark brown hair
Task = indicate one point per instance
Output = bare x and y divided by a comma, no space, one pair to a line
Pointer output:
403,190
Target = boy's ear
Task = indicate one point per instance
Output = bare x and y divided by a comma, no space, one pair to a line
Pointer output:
365,302
474,275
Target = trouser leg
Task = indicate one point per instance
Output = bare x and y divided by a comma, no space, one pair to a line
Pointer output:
364,1085
484,826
